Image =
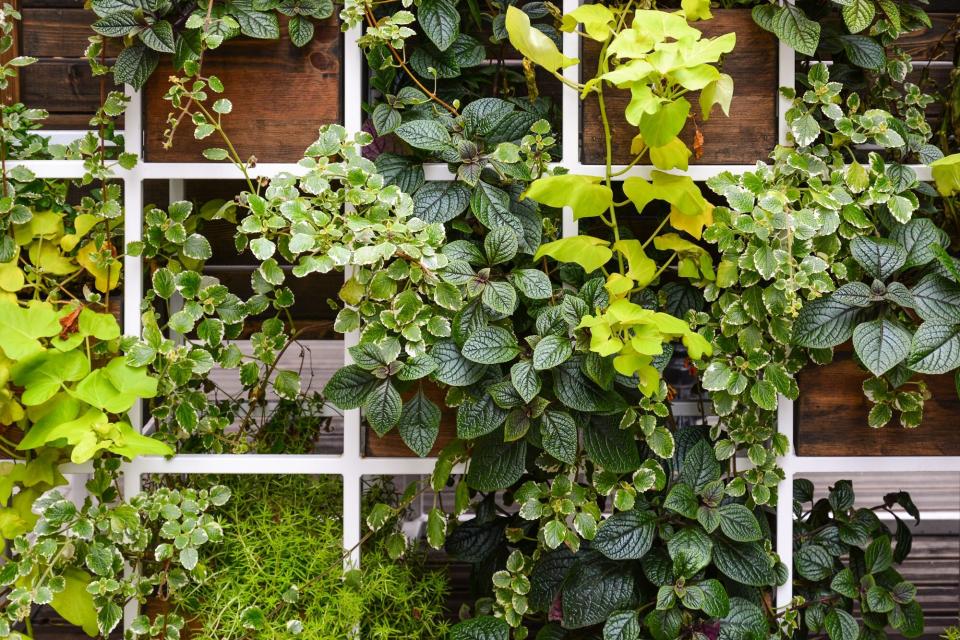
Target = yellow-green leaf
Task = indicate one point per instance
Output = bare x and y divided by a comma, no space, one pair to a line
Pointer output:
692,224
946,174
74,603
533,43
584,194
641,268
588,252
718,92
11,277
696,9
673,155
596,19
680,191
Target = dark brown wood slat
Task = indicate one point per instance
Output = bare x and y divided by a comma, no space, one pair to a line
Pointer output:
831,416
748,135
59,32
280,94
11,94
62,86
923,44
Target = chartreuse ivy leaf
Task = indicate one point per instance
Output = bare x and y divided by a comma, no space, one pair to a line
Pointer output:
679,190
42,374
24,326
717,93
641,268
588,252
663,125
533,43
74,603
597,21
586,195
945,171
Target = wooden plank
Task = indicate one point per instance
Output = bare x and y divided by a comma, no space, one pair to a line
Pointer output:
11,94
62,86
831,416
935,42
280,94
56,32
748,135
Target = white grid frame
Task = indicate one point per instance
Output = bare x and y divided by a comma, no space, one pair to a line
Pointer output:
351,464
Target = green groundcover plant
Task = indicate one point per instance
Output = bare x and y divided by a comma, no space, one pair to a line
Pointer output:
278,571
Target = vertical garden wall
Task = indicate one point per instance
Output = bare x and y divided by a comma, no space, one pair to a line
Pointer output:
604,301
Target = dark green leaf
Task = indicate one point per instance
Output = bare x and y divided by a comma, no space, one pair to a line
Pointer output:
382,407
349,387
440,22
626,535
420,423
491,345
559,435
440,201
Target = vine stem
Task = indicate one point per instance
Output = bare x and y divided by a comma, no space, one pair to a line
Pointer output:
372,21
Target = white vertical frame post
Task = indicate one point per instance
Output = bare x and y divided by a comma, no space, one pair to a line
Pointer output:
353,71
570,116
786,76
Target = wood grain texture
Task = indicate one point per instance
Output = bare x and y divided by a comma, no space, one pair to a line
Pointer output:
748,135
392,445
831,416
281,95
11,94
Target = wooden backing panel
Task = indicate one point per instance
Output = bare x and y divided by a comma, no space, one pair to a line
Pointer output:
748,135
392,445
831,416
56,32
11,94
63,87
927,43
281,95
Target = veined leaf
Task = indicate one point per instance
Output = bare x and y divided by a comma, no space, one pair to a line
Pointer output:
533,43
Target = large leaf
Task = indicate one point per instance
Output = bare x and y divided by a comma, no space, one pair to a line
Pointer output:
880,257
881,344
663,125
349,387
424,134
135,64
558,432
841,625
495,464
533,43
551,351
452,367
858,14
420,423
481,628
937,299
920,237
611,448
690,549
935,349
440,22
491,345
74,603
594,589
825,322
476,418
745,621
586,195
382,407
626,535
743,562
22,327
440,201
738,523
588,252
793,27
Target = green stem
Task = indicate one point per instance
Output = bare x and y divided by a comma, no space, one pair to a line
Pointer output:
653,235
608,145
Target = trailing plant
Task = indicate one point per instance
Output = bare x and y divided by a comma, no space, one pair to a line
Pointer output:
902,317
255,585
145,30
844,557
75,558
784,239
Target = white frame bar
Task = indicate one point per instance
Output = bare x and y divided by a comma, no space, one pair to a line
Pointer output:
351,465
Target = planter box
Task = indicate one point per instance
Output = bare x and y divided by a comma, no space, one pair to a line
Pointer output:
280,94
831,416
392,445
748,135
